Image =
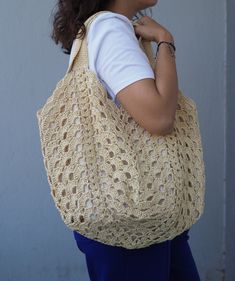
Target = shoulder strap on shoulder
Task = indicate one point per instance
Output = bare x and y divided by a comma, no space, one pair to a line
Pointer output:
78,41
79,44
147,48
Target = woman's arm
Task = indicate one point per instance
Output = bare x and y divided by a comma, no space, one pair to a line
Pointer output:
152,103
166,79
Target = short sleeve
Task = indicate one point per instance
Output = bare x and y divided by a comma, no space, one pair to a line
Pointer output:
115,54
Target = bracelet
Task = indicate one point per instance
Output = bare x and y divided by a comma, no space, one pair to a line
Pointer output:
170,44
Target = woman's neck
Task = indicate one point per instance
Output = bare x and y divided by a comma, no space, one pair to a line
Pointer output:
122,7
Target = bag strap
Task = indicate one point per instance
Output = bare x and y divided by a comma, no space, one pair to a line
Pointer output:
79,43
80,47
147,48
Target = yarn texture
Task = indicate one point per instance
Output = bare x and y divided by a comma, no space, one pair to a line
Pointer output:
110,179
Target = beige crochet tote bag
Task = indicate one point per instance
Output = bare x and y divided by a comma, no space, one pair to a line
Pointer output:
110,179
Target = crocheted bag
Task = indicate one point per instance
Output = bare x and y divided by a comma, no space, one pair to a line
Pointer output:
110,179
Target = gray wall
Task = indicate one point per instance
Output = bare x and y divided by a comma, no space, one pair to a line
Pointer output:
35,244
230,149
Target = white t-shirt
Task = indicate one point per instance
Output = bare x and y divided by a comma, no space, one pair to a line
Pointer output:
114,53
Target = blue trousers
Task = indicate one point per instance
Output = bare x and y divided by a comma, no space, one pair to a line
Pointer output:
170,260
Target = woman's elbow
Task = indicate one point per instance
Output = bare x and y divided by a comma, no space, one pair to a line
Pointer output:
165,127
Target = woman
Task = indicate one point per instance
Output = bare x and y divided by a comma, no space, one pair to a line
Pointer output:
151,99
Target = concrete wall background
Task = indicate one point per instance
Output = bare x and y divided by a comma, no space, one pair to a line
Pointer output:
35,244
230,150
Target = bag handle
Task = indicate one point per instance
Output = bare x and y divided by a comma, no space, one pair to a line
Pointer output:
147,48
79,42
80,47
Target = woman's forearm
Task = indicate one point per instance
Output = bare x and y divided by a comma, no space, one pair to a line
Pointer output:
166,77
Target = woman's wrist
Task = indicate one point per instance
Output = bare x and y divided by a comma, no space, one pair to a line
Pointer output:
164,37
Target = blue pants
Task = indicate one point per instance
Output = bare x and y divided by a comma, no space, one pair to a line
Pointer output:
170,260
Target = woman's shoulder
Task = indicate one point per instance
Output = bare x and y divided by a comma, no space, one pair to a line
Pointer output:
110,20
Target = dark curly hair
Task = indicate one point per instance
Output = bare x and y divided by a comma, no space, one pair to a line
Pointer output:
70,16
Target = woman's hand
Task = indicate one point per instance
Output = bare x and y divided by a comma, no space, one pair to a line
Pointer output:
151,30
